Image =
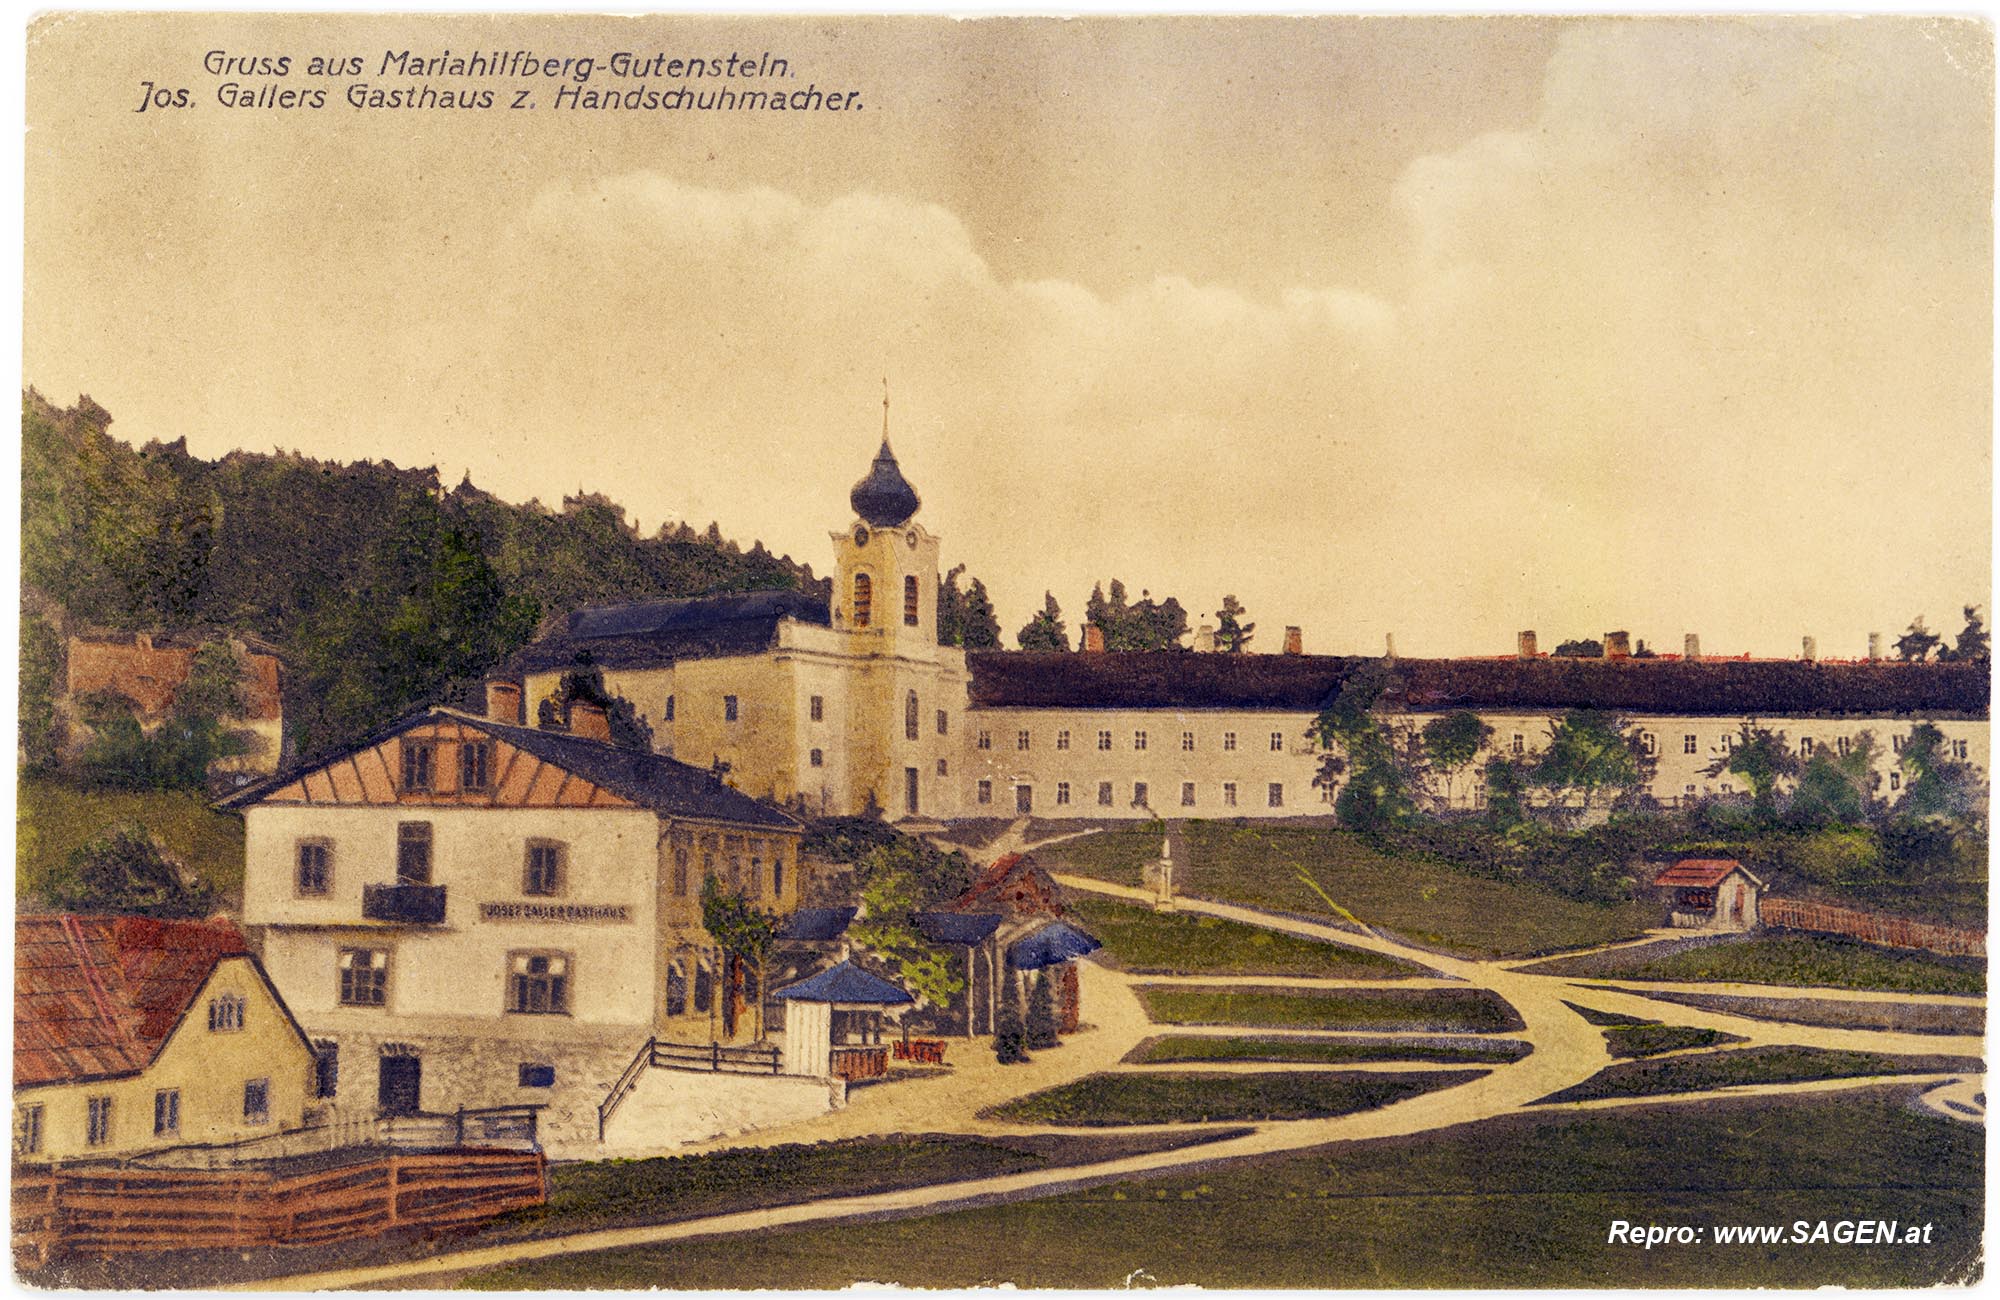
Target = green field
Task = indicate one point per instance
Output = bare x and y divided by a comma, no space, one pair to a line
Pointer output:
1183,943
1652,1040
1523,1201
1319,1051
1752,1065
1418,900
1413,1010
53,819
1111,1099
1800,960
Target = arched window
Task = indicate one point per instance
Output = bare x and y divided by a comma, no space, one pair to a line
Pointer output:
863,598
910,716
910,600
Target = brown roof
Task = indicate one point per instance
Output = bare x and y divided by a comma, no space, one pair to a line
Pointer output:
1015,885
1701,873
1307,683
98,996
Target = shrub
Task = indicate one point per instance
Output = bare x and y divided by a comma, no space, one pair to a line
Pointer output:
125,870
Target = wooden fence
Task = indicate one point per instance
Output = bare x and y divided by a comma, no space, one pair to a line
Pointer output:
1871,927
102,1211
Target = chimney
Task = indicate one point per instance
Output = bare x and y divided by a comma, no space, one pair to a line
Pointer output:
1388,644
1093,639
1617,645
1294,642
1874,647
1204,639
587,722
1691,646
1809,650
503,701
1524,644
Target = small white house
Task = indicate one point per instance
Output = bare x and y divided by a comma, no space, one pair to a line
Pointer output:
1710,894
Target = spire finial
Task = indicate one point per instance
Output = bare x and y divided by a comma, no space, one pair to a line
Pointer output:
885,410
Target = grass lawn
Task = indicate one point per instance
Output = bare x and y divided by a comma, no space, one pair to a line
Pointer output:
1419,900
1110,1099
1803,960
1751,1065
53,819
1522,1201
1651,1040
1417,1010
1182,943
1319,1051
1899,1017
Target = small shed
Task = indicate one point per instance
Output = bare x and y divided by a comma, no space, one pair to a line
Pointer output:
833,1013
972,931
1056,944
1710,894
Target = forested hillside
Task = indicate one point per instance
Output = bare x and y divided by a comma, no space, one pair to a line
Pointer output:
382,588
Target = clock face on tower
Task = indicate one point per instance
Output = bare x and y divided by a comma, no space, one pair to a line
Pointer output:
911,538
860,535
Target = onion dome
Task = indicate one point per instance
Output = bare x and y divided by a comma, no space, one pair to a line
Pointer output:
885,498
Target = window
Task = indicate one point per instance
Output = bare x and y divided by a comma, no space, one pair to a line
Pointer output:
1728,788
1020,740
1895,780
537,1076
1024,798
756,868
28,1130
817,758
1229,741
986,792
1896,743
97,1121
538,983
1727,742
729,708
864,598
475,765
1062,792
1104,740
256,1101
1841,745
1229,794
1276,797
544,873
985,739
677,987
910,600
777,876
944,768
225,1014
315,871
1649,742
1805,746
680,870
167,1113
1138,740
1187,794
1062,738
418,759
1519,743
1187,742
1139,794
364,977
1688,744
910,712
413,853
943,723
670,709
1961,749
818,707
1277,742
1689,790
1104,794
326,1068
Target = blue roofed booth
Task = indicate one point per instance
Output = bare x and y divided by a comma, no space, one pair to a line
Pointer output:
833,1023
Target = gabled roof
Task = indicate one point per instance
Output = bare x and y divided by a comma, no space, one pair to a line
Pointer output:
1054,943
654,633
1014,885
97,997
846,983
649,780
817,924
1306,683
958,928
1703,873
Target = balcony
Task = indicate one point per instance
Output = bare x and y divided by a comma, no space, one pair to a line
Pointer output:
403,904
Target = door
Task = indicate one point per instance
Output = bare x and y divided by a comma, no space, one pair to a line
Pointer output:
401,1084
1024,798
910,790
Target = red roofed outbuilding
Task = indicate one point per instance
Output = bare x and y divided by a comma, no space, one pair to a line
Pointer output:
1710,894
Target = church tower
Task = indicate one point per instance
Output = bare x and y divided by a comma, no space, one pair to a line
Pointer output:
886,585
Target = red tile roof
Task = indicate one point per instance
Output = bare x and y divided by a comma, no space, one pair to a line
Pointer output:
1700,873
1015,885
98,996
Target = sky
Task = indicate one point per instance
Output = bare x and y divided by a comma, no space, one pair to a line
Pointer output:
1445,328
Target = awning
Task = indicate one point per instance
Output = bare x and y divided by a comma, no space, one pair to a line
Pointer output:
1051,945
846,984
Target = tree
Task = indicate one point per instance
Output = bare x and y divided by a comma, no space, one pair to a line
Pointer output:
1376,792
1975,644
744,931
41,729
1508,780
966,617
1041,1027
1761,757
1587,649
1010,1035
1836,789
1231,634
890,900
1452,741
215,683
1589,753
125,870
1149,625
1045,631
1915,645
1939,785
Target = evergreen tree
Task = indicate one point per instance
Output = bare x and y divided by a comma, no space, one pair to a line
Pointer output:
1045,631
1975,644
1041,1027
1010,1034
966,617
1231,634
1915,645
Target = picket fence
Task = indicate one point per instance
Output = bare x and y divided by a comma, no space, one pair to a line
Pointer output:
1872,927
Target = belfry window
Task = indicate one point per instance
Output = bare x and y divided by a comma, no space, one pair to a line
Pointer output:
864,596
910,600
